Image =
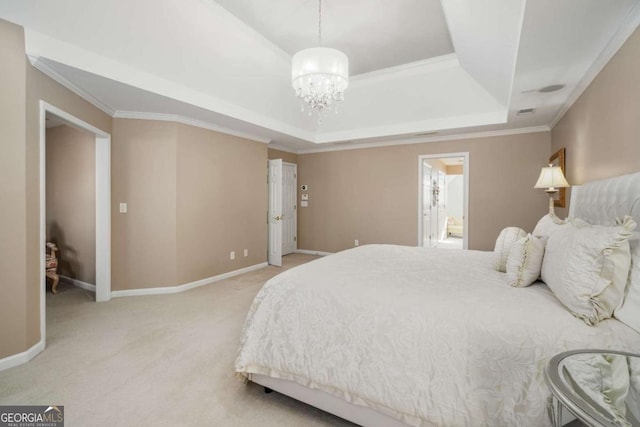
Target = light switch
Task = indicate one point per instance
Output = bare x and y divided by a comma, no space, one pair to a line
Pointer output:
304,204
123,208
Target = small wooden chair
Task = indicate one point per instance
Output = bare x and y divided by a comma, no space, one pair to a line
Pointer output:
51,263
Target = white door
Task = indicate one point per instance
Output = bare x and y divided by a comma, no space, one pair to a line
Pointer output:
442,206
433,225
275,212
289,208
427,193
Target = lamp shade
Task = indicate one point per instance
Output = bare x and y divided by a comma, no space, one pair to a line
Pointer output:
551,177
320,63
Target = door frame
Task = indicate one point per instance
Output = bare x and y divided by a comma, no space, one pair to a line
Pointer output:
465,171
103,207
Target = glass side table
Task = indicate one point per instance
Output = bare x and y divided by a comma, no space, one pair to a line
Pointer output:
600,387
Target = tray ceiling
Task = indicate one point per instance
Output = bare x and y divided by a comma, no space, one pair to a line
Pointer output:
226,65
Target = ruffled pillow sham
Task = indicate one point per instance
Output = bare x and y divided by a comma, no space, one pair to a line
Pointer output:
525,261
586,266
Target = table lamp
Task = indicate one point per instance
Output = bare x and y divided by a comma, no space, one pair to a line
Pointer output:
552,179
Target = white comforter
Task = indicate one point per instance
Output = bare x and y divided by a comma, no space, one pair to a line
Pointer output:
431,337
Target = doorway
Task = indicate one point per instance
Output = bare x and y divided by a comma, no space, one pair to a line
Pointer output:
283,210
443,200
102,197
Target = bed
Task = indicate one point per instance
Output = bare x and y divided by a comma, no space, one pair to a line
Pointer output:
386,335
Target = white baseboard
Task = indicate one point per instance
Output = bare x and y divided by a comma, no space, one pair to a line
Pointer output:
79,283
20,358
308,252
186,286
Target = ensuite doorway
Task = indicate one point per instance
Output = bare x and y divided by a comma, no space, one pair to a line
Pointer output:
443,200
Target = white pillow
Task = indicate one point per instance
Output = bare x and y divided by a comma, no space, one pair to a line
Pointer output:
506,239
629,310
586,267
547,225
525,261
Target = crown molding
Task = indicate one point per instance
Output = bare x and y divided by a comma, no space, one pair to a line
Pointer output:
453,137
280,147
625,30
41,65
139,115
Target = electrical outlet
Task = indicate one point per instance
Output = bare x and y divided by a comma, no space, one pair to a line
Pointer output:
232,255
356,242
123,208
246,252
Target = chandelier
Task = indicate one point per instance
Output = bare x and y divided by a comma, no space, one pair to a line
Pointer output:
319,75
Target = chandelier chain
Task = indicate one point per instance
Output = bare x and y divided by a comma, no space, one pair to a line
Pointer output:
319,22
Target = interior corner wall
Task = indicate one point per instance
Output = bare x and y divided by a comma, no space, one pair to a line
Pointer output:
601,131
284,155
221,203
143,175
193,196
372,194
71,200
13,228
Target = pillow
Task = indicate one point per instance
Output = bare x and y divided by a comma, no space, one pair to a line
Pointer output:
506,239
586,267
547,225
629,310
525,261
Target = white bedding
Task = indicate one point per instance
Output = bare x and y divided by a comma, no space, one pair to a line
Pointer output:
431,337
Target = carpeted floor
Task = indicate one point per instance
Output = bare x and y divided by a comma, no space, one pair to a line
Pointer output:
161,360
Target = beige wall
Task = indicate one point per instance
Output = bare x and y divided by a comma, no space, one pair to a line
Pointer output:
601,131
193,196
221,203
372,194
13,262
143,175
71,192
284,155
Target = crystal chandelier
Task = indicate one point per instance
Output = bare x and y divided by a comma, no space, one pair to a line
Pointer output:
320,75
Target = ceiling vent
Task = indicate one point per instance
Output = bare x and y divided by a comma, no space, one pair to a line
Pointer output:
526,111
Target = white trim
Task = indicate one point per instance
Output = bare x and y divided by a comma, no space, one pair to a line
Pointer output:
466,173
41,65
625,30
78,283
436,63
20,358
186,286
309,252
279,147
435,138
103,218
140,115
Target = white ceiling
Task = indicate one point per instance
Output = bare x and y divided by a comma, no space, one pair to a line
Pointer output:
374,34
197,62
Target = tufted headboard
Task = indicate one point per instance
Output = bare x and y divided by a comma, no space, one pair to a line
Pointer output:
601,202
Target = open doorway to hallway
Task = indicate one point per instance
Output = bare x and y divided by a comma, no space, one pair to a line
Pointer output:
443,205
100,165
70,206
